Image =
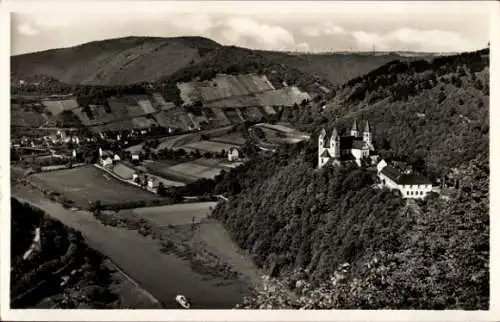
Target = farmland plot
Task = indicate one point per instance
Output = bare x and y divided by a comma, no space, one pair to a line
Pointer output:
279,134
27,118
145,104
220,164
287,96
168,172
209,146
276,127
89,184
194,170
223,86
57,106
233,139
221,117
178,214
233,115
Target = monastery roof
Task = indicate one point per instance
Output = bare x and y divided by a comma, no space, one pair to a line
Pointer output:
351,142
367,127
354,126
391,173
413,179
404,179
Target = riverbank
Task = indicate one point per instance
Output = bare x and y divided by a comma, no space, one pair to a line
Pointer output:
163,274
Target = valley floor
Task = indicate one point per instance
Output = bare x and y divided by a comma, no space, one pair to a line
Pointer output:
164,274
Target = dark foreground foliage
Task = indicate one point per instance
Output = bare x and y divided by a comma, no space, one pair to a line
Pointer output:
62,255
438,258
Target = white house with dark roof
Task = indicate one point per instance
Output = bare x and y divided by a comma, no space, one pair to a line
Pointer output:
233,154
410,184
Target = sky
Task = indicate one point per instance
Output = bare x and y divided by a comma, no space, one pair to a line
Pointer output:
312,26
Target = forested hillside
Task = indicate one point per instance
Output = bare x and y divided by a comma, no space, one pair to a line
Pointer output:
337,68
432,257
307,226
59,271
433,113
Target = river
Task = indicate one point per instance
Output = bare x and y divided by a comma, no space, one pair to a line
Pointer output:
163,275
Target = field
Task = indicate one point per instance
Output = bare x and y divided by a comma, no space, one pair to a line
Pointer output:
233,138
190,171
280,133
89,184
195,170
221,164
178,214
57,106
164,171
223,86
287,96
209,146
21,117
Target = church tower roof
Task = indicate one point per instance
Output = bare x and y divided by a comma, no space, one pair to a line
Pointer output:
334,133
355,126
367,127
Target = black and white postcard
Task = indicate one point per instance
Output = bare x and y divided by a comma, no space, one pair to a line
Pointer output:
235,160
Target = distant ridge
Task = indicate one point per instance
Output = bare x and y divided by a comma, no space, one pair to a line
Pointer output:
134,59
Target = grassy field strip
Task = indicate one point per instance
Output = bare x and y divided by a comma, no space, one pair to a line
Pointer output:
195,170
178,214
210,146
86,184
167,173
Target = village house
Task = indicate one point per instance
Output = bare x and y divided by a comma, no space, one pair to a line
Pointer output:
352,148
152,184
107,162
233,154
410,184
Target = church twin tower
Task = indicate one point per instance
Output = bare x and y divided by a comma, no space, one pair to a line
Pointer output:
346,148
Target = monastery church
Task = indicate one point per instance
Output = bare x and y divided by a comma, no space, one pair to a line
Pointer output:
355,147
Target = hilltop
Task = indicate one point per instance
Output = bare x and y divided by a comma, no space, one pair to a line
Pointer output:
135,60
119,61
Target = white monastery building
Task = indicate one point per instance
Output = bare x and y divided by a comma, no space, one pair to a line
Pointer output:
411,185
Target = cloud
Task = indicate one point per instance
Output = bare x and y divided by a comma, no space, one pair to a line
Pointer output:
410,39
413,40
27,29
266,36
311,31
197,23
334,30
56,20
326,28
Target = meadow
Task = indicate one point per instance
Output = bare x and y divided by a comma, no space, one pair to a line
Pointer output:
89,184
